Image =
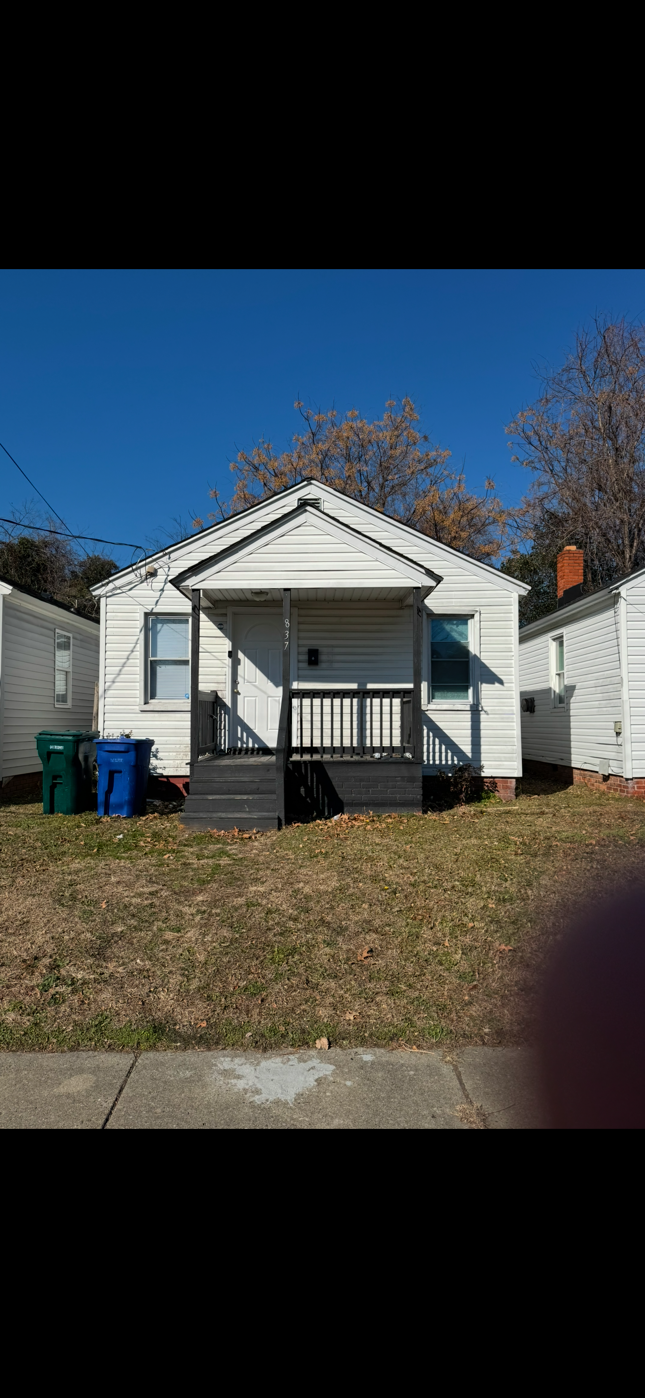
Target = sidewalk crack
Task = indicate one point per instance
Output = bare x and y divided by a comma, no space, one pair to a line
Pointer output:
126,1079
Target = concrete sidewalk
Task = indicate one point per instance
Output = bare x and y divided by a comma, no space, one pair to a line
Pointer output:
355,1089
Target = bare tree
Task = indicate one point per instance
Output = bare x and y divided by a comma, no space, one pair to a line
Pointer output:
584,440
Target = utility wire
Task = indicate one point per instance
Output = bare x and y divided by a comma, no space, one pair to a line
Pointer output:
35,487
41,529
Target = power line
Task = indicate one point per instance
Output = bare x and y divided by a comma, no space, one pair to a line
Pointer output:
40,529
35,487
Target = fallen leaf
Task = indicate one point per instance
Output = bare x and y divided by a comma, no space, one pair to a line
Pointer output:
201,1024
104,904
471,924
501,947
365,954
168,856
349,1015
322,1043
491,905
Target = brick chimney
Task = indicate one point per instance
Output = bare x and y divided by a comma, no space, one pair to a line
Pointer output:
570,574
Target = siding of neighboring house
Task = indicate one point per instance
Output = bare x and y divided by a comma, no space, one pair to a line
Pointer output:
373,644
28,677
579,734
634,604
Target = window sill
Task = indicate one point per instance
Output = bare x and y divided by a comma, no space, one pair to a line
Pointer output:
457,706
166,706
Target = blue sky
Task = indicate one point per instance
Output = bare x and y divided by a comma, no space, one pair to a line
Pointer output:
124,394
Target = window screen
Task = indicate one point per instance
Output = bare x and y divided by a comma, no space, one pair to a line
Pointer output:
449,658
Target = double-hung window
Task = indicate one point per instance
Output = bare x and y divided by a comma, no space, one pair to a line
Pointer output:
63,671
449,659
559,692
168,658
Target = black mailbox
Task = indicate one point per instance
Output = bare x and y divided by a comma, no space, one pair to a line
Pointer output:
312,655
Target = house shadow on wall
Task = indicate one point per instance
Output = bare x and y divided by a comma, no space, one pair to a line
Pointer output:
547,750
460,776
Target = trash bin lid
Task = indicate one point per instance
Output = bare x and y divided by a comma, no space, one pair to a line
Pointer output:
68,733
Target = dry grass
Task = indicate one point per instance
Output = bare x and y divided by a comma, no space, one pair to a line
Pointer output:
370,931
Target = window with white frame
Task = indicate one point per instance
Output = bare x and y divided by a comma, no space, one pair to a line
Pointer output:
449,658
63,670
559,692
168,658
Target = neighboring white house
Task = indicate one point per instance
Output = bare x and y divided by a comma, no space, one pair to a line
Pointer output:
49,666
330,583
582,672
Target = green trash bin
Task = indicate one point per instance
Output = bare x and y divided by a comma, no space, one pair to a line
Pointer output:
68,758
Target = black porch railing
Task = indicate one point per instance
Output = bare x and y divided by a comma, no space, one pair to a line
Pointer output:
211,720
351,723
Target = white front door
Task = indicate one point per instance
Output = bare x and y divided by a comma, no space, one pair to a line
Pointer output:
257,675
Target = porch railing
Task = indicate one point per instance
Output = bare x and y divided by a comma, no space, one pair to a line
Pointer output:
351,723
212,736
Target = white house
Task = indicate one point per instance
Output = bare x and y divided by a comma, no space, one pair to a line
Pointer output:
49,667
582,671
310,655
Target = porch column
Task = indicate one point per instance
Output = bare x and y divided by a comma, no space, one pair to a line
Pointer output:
195,615
283,749
417,653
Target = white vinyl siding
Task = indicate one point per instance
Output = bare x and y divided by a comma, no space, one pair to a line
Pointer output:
358,647
634,695
29,664
362,638
123,684
580,731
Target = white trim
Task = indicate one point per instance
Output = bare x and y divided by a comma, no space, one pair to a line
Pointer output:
58,631
147,705
4,592
623,651
293,653
473,702
555,636
208,570
517,708
102,664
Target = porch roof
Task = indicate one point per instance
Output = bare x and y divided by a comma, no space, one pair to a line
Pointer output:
316,556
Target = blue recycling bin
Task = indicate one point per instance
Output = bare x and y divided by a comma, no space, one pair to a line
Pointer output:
123,775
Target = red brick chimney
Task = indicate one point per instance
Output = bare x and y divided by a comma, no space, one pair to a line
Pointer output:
570,573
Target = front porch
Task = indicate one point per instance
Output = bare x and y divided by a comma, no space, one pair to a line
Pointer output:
336,749
345,751
276,747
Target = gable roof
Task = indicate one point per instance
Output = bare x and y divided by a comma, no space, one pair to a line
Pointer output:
396,567
184,546
580,605
10,586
